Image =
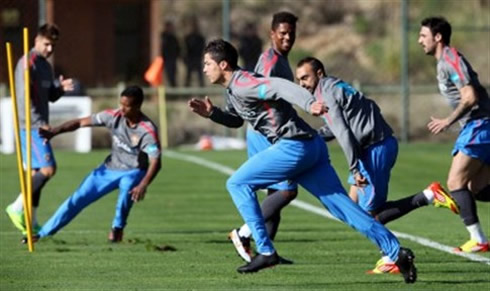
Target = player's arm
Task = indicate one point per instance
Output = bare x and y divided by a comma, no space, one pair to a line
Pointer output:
469,98
272,88
59,87
71,125
138,192
339,127
206,109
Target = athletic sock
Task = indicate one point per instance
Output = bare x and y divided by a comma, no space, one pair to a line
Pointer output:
34,216
484,194
271,210
38,182
467,206
429,195
387,260
392,210
245,231
18,205
476,233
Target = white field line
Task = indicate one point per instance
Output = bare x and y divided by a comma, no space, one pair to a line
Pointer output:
323,212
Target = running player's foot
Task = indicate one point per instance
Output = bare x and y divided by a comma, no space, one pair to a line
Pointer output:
384,268
241,244
17,218
35,230
442,198
406,265
116,235
284,261
35,238
259,262
473,246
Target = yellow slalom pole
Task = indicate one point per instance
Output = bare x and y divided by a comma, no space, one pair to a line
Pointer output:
17,135
27,98
162,108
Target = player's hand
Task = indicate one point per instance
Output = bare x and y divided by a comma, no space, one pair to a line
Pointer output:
318,108
46,133
201,107
361,181
437,126
66,84
138,193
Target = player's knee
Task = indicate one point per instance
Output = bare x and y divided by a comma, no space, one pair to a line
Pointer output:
290,194
455,184
48,171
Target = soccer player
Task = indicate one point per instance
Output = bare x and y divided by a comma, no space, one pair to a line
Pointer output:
297,152
469,175
272,63
132,165
370,147
44,88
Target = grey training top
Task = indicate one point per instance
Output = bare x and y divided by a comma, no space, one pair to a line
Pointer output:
453,73
131,146
273,64
265,102
43,87
353,119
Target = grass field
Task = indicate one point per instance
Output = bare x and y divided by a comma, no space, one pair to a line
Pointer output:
188,208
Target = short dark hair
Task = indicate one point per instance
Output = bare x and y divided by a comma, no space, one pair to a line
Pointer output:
315,64
221,50
135,93
283,17
438,25
49,31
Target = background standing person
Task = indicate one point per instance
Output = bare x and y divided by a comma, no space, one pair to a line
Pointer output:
44,88
469,175
131,167
194,46
250,46
170,52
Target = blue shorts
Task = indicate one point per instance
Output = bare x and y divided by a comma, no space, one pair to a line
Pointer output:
42,155
257,142
375,165
474,140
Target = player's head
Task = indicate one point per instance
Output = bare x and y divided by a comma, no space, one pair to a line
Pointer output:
46,39
434,31
131,101
283,31
309,71
219,56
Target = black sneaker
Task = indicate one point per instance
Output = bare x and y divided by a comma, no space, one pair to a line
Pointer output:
406,265
35,238
284,261
259,262
116,235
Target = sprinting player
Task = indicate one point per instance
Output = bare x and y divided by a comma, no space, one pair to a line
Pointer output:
469,176
44,88
272,63
370,147
132,165
297,152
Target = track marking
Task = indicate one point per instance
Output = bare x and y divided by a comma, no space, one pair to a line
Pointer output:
323,212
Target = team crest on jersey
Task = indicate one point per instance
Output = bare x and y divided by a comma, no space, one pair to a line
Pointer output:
134,139
47,157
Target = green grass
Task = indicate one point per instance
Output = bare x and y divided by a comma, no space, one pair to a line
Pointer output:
187,207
